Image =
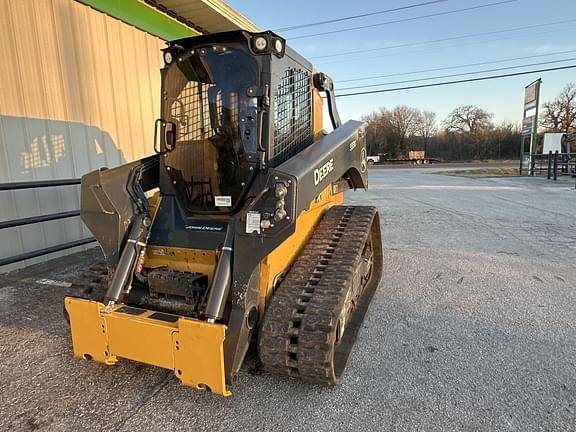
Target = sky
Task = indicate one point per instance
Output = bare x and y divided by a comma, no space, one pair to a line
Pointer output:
502,97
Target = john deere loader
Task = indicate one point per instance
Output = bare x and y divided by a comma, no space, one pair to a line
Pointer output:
234,231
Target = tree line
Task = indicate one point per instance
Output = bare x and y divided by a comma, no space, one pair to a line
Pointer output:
468,132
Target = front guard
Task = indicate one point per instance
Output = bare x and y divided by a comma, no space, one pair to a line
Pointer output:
192,349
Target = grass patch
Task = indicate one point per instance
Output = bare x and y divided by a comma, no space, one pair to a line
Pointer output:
483,172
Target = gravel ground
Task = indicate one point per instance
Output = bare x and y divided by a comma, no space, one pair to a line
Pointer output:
473,328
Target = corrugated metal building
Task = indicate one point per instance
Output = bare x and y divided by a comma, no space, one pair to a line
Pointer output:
81,90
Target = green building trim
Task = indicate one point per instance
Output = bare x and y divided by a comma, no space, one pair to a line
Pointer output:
144,17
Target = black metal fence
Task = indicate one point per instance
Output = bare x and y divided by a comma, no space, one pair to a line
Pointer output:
41,218
552,165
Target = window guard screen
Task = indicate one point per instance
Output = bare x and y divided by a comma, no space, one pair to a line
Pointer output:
292,115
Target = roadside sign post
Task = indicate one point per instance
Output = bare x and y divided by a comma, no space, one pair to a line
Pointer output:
530,125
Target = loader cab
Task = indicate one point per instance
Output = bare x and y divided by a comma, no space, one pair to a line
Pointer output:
232,105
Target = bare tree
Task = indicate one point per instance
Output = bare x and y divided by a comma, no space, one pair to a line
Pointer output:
388,131
426,126
551,117
384,128
559,115
403,121
468,119
473,123
376,131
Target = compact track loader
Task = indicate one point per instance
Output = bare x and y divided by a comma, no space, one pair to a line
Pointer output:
235,229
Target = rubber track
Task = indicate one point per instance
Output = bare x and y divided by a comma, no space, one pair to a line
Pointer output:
92,281
297,337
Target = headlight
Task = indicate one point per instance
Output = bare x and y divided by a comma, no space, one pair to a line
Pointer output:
260,44
278,46
168,58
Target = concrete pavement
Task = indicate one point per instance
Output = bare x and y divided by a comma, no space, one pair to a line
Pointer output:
473,328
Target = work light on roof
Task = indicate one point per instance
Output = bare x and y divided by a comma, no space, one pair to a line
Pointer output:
278,46
261,43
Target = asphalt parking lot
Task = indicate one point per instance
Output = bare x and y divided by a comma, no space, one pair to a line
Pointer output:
472,329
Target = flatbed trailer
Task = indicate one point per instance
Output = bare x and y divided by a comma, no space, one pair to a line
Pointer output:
409,161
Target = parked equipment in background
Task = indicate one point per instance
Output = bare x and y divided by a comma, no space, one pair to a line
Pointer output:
415,157
236,227
373,160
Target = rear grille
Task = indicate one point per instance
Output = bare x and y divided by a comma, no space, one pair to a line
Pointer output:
292,115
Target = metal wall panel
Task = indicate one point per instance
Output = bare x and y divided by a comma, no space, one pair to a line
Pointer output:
80,90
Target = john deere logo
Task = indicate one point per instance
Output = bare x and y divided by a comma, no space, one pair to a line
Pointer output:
323,171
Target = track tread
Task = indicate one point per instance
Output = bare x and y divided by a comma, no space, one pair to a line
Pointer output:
92,281
298,333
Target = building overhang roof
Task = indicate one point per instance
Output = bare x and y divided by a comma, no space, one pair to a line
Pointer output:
175,19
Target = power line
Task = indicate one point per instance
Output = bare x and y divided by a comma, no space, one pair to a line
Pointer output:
352,17
426,42
459,74
444,83
407,19
455,66
447,46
